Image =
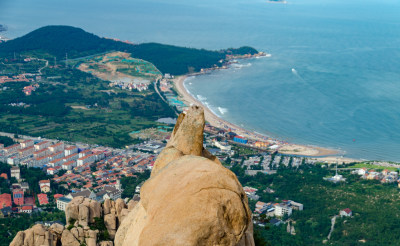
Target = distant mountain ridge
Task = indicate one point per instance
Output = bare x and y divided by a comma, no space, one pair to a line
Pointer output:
56,41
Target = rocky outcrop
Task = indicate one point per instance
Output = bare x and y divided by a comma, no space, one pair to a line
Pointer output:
114,212
190,199
83,210
38,235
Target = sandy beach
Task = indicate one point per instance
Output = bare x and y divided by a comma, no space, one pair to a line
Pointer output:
323,154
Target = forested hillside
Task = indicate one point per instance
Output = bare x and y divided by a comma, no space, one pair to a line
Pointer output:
57,41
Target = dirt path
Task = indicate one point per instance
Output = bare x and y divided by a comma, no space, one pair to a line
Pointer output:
333,220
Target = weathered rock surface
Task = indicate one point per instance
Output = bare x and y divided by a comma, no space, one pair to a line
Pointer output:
38,235
68,238
190,198
83,210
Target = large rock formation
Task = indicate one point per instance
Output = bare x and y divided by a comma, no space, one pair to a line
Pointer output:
83,210
39,235
190,199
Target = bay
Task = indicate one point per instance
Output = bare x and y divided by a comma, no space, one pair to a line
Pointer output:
333,79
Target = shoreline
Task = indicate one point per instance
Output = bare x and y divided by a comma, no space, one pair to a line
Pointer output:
315,152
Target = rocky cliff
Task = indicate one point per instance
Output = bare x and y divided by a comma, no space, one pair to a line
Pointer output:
190,199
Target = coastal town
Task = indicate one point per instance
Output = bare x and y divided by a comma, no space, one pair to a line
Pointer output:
95,171
68,169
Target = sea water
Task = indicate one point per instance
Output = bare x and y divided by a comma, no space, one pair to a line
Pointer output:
333,78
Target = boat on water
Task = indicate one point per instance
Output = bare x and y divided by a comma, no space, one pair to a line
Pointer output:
277,1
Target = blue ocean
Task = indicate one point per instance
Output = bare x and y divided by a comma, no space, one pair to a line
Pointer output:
333,78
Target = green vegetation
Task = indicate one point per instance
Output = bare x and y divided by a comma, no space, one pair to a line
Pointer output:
129,183
98,224
10,226
374,205
20,66
76,106
55,41
371,166
7,141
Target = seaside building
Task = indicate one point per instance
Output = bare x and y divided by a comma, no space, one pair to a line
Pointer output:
240,139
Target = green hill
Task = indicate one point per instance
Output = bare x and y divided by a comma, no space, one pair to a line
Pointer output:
56,41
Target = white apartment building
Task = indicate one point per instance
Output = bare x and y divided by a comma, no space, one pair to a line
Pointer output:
42,145
281,210
57,147
62,203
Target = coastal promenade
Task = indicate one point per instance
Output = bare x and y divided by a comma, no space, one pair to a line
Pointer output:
322,154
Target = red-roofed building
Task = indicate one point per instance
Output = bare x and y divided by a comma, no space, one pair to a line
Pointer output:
345,212
57,147
42,145
26,143
43,199
30,200
5,200
11,149
56,196
26,209
18,197
44,186
4,176
26,151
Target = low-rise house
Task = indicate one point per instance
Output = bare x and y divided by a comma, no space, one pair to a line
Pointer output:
43,199
296,205
51,171
362,171
26,209
275,222
4,176
13,160
57,196
6,211
16,173
108,192
251,193
345,212
18,197
5,200
62,203
24,186
44,186
261,207
85,193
